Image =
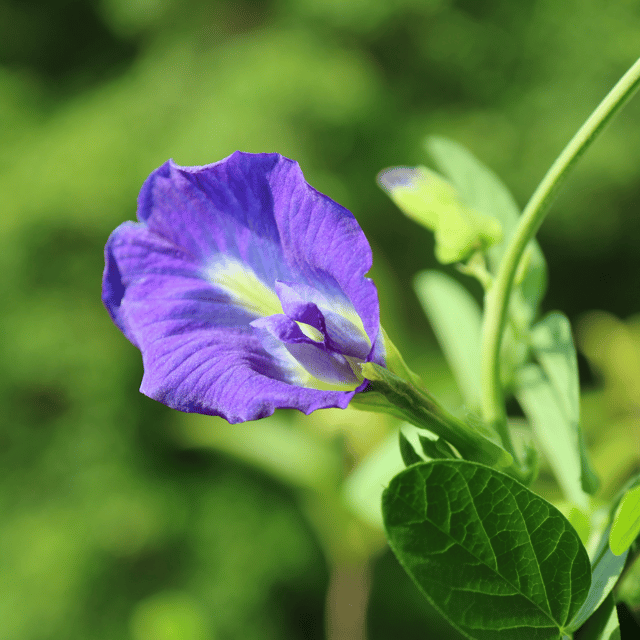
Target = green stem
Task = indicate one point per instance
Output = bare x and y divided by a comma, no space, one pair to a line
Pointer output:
497,299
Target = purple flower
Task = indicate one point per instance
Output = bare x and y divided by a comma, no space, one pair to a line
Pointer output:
245,290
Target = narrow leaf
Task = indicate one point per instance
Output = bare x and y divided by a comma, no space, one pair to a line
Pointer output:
556,436
553,347
626,522
605,571
456,320
494,558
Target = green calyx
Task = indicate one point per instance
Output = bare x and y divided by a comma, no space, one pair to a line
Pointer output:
390,393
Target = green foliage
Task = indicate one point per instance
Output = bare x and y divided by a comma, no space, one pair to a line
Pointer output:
435,449
626,522
552,345
482,190
455,317
554,434
497,560
104,509
419,408
408,453
606,568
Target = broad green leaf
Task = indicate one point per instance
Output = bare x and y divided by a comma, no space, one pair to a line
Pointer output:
605,571
495,559
556,436
554,349
456,320
429,200
626,522
408,453
482,190
604,624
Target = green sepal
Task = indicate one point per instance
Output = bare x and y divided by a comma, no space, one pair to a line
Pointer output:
395,362
428,199
408,453
419,408
436,449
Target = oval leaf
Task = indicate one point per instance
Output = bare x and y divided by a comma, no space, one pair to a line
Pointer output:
494,558
626,523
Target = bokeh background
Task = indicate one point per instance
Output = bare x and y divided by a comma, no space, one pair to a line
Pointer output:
120,519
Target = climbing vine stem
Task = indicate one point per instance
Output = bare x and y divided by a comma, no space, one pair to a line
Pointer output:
497,298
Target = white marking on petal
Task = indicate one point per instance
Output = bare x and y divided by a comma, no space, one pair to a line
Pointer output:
243,286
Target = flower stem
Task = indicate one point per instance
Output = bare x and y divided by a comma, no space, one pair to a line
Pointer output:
497,299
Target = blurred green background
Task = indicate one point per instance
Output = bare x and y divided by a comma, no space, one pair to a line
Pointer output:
120,519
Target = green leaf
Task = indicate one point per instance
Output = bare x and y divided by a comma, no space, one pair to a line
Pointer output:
429,200
604,624
408,453
494,558
626,522
605,571
456,320
554,433
482,190
554,349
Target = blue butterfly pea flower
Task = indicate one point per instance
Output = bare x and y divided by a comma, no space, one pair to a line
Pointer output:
244,289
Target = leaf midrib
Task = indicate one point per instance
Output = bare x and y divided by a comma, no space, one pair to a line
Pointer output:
547,615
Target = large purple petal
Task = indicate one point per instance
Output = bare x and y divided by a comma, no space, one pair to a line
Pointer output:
323,242
199,352
165,283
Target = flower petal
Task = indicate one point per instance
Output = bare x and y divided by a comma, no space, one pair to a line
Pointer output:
326,368
185,283
199,352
